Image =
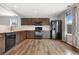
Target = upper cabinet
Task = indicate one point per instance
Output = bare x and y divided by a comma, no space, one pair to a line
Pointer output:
35,21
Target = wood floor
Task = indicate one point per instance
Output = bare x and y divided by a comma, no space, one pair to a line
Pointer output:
42,47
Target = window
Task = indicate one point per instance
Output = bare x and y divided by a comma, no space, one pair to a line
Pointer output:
13,21
69,23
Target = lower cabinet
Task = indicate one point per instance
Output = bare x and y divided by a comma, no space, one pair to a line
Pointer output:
21,35
30,35
17,37
2,43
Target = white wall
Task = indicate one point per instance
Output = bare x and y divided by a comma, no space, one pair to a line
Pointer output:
77,18
53,18
4,20
77,22
74,39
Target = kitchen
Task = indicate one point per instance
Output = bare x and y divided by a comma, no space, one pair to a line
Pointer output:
19,34
14,34
15,29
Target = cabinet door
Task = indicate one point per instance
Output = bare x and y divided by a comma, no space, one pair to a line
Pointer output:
30,35
2,45
18,38
45,21
23,35
26,21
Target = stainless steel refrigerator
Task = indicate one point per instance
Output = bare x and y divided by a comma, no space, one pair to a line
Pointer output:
56,29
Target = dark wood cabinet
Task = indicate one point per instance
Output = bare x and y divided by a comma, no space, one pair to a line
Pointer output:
45,21
33,21
26,21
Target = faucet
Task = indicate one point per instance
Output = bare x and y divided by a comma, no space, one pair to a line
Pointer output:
11,28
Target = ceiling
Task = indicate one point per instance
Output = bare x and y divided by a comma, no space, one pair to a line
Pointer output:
4,11
39,10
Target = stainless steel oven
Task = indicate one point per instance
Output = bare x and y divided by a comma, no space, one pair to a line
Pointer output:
38,33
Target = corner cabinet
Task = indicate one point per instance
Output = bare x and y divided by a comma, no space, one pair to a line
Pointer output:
20,36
